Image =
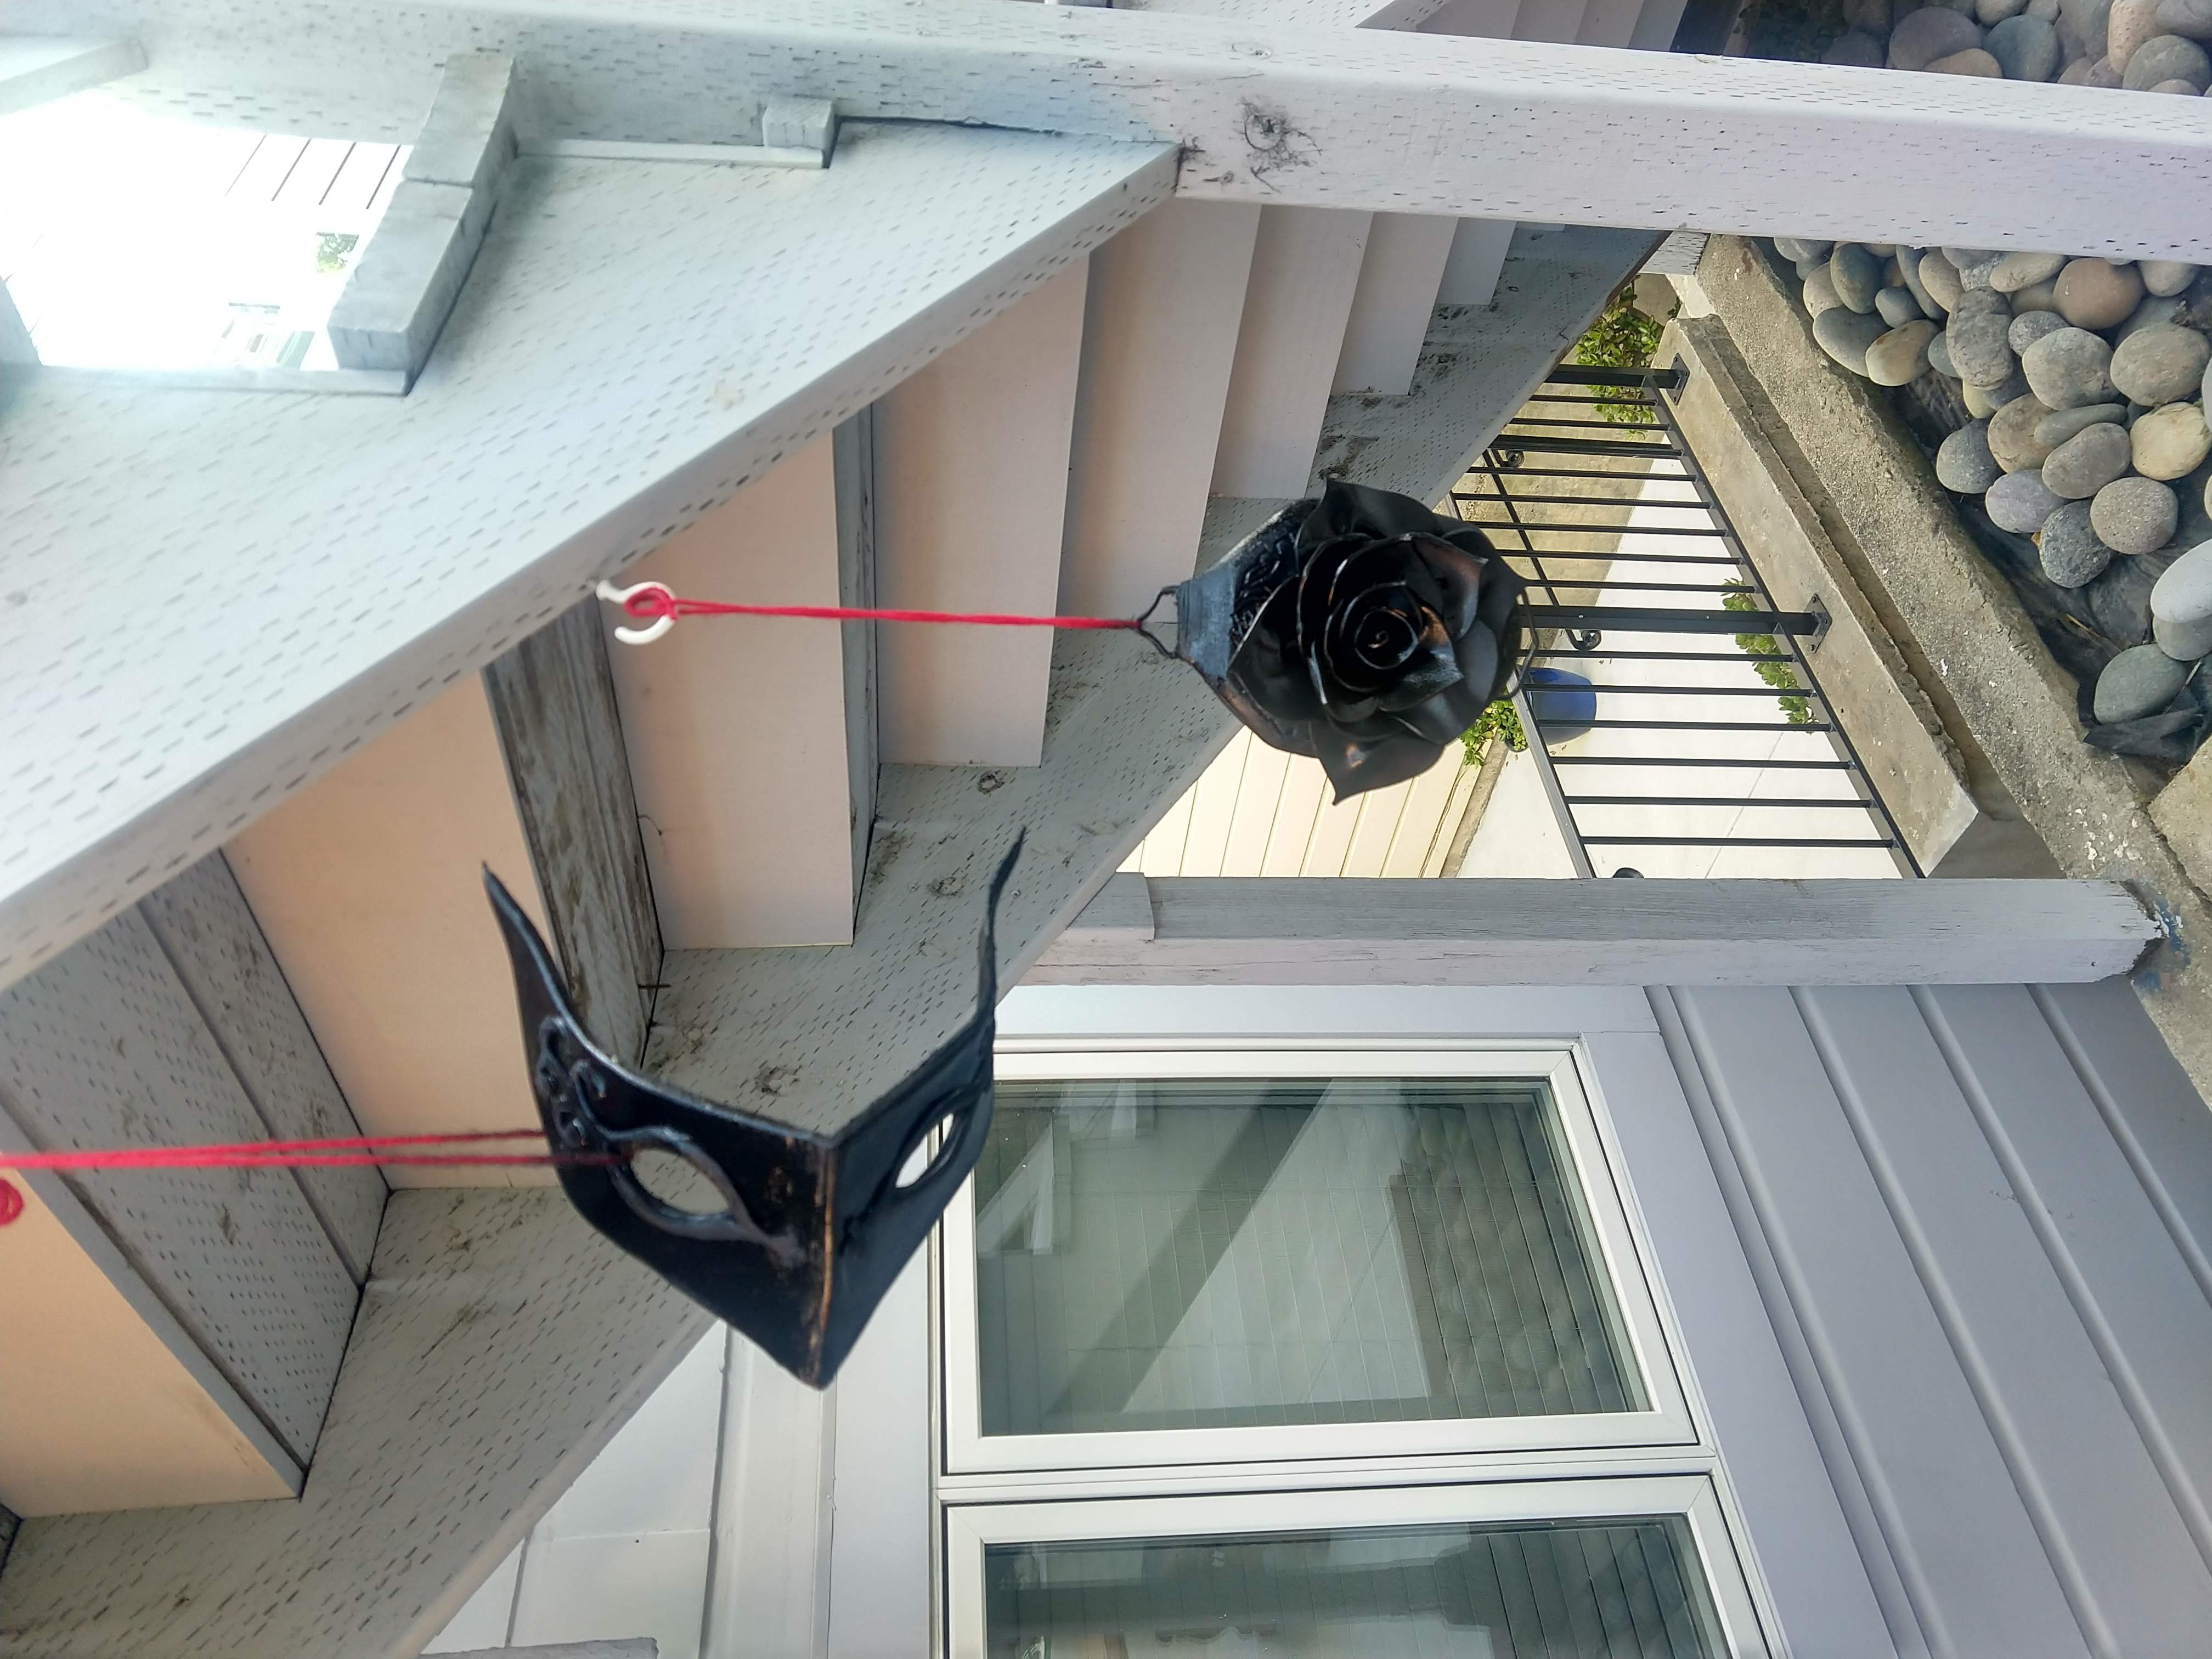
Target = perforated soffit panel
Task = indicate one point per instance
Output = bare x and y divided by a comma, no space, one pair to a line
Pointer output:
206,599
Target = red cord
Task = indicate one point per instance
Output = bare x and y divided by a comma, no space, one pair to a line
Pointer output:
651,604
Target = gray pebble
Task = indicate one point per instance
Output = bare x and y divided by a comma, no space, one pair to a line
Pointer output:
2078,468
2066,368
1897,306
2155,308
2032,326
2069,547
1977,343
2088,19
2166,276
2140,681
2160,364
2135,515
2189,18
1898,357
2181,605
1796,250
1963,462
2177,89
2026,48
1908,266
1856,275
2017,270
2036,297
2166,57
2169,440
1844,335
2053,430
1872,16
1989,13
2012,434
1933,31
1940,279
2020,502
1854,50
1820,292
1939,359
2046,9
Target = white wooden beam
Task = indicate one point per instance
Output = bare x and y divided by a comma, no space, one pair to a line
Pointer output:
543,448
1159,334
1252,931
35,68
1305,271
971,501
747,828
1367,118
553,706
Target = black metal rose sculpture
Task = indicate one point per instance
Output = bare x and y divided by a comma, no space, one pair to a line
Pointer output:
1360,628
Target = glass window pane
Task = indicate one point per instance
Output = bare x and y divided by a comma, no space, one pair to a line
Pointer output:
1629,1589
1202,1252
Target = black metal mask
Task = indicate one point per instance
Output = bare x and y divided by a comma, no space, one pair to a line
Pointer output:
1359,627
811,1230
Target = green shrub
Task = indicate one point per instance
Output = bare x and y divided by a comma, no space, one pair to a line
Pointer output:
1621,337
1500,720
1780,675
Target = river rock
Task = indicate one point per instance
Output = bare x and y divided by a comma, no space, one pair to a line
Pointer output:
1798,250
2166,276
1963,461
2018,502
1976,338
1983,402
2155,308
1897,357
1940,279
2068,547
2012,438
2166,57
2171,441
2016,270
2163,363
2177,90
1874,16
2190,19
1939,358
2181,605
2142,680
2066,368
1852,50
1856,275
2053,430
2131,23
2046,9
2026,48
2086,462
1972,61
1844,335
2088,20
1908,265
1820,292
1990,13
2092,293
1897,306
2029,326
2134,515
1933,31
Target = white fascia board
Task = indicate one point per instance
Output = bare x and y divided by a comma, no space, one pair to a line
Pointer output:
1372,119
291,575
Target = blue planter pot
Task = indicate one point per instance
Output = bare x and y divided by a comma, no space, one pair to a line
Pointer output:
1564,703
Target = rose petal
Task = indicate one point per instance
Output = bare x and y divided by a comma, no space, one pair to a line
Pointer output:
1340,650
1479,658
1502,588
1314,582
1442,718
1458,576
1355,766
1435,669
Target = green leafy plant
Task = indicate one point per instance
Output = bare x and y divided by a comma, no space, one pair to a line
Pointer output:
1500,720
1621,337
1780,675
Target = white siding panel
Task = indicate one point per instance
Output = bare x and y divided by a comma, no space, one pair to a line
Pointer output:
2130,1566
1975,1572
1398,279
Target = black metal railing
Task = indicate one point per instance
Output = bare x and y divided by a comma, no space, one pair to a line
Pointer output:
1665,733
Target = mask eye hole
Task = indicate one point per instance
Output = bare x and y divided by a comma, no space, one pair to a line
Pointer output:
923,1156
677,1182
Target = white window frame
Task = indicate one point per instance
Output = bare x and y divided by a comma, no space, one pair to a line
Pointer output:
1668,1423
970,1528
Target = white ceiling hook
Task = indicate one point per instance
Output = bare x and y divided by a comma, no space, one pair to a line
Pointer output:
620,596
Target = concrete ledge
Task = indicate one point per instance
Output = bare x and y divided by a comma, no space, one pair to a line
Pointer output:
1947,608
